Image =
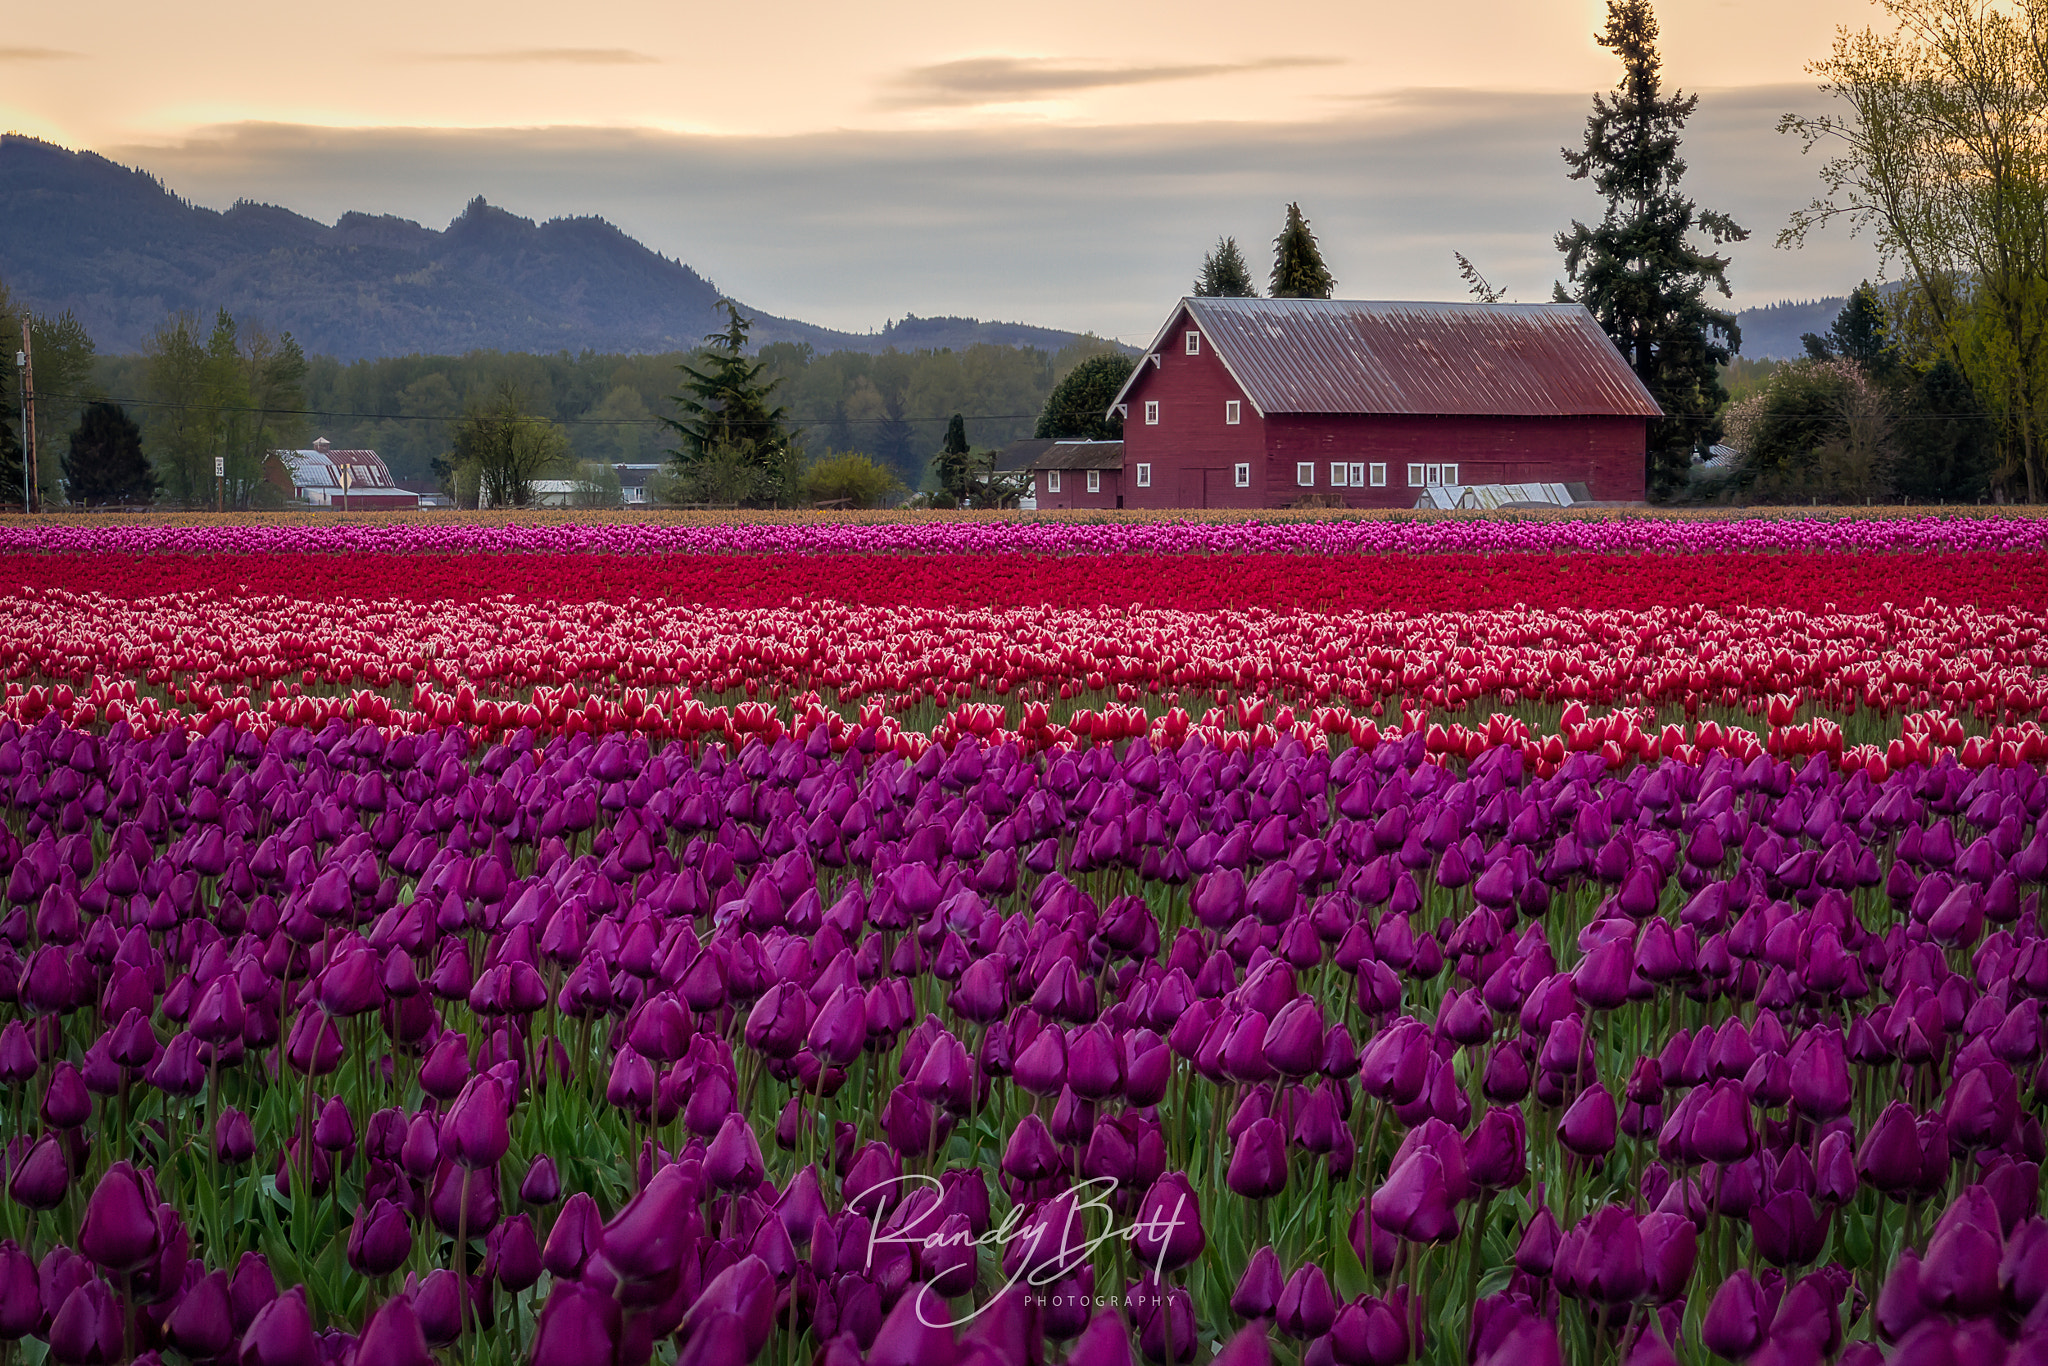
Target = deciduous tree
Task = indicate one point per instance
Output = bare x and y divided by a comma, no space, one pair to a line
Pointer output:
1078,407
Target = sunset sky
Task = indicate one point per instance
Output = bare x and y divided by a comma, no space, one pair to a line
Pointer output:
1063,163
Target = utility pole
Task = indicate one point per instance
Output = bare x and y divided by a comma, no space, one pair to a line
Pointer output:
21,390
31,466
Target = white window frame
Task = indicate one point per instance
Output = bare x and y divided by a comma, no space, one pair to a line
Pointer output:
1052,481
1357,475
1340,474
1305,474
1378,475
1415,476
1144,475
1194,343
1243,475
1450,474
1095,481
1151,412
1433,476
1233,412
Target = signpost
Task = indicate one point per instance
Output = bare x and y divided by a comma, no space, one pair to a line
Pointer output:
220,470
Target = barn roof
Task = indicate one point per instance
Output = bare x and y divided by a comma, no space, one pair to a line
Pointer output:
1350,356
1080,455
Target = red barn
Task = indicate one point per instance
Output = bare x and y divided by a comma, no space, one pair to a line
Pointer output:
1079,474
1269,402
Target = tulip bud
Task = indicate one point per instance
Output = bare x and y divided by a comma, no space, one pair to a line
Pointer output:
120,1229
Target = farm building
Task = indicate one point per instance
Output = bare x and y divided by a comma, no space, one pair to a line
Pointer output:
345,481
1277,402
1078,474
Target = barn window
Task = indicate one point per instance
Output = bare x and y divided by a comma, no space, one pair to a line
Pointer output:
1450,474
1305,474
1095,481
1144,476
1415,476
1357,475
1052,481
1340,474
1194,343
1233,411
1151,412
1244,476
1434,476
1379,476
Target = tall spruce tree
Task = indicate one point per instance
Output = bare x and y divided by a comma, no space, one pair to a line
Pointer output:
1638,270
1298,269
1225,274
105,463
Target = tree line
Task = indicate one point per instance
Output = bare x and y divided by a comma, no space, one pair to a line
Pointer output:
856,428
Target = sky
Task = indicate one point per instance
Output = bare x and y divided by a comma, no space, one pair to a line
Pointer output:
1064,163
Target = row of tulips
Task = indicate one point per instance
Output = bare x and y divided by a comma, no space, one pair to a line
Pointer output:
1175,531
1816,583
1850,679
355,1046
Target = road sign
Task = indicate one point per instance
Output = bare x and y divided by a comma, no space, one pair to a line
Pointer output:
220,466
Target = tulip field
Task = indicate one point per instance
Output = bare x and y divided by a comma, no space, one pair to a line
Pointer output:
987,942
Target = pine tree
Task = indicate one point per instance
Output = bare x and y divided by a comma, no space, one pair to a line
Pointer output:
1860,333
1225,274
725,401
1637,270
105,463
1298,269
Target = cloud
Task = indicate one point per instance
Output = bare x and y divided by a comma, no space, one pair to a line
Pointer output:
1005,80
37,54
1098,228
563,56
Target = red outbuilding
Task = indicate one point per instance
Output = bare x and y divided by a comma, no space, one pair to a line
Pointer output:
1260,403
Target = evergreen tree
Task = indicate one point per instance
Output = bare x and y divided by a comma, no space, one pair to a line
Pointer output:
105,463
1637,270
1948,447
953,466
1225,274
10,407
1860,333
1298,269
1078,407
725,407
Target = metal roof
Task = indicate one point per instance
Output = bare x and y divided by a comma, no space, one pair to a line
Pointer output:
1081,455
1436,359
1020,455
320,466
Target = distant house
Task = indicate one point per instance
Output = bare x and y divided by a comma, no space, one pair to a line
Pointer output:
1078,474
1276,402
345,481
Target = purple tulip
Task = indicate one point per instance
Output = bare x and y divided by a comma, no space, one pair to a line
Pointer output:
1258,1168
380,1240
1307,1305
1735,1319
42,1176
475,1132
578,1326
120,1230
1167,1232
647,1239
87,1326
393,1337
541,1185
281,1334
1588,1127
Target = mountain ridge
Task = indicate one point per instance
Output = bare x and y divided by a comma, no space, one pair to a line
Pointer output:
122,250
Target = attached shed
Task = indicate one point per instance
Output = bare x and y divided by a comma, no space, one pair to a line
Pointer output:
1079,474
1273,402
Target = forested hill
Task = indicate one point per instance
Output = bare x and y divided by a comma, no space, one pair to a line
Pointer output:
118,248
1772,332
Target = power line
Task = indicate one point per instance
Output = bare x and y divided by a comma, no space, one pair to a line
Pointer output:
176,406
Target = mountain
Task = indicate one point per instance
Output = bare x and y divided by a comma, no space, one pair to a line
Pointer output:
118,248
1772,332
